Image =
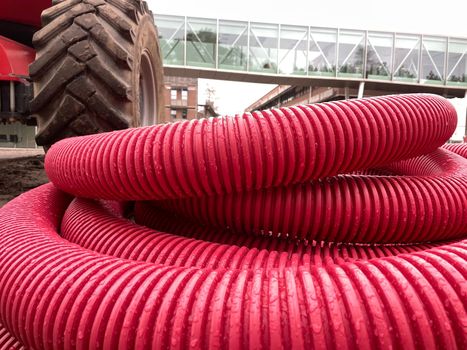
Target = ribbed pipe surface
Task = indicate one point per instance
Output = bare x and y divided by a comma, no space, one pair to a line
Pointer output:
251,238
459,148
7,341
251,151
91,225
349,208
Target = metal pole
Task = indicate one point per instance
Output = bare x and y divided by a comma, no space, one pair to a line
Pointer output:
446,62
185,41
361,88
393,58
278,47
337,52
248,47
217,44
365,53
308,50
12,96
420,59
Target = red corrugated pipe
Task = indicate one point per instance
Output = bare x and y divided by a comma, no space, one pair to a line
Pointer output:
251,239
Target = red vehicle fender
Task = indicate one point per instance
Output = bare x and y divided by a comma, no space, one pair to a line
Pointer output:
14,60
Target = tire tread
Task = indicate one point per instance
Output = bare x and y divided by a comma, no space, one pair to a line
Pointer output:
89,42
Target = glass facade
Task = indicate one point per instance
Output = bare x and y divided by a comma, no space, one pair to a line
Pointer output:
201,42
263,46
171,38
293,50
351,53
406,57
322,52
433,59
379,55
457,62
233,45
310,51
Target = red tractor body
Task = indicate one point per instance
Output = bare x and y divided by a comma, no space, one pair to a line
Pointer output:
14,60
26,12
19,19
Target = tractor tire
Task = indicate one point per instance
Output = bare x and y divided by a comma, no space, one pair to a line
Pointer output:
98,68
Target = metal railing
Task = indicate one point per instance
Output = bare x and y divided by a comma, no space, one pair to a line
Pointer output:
306,51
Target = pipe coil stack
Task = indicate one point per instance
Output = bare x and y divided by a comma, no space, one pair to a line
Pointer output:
339,225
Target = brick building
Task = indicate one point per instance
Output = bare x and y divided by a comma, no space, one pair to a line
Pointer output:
181,98
286,95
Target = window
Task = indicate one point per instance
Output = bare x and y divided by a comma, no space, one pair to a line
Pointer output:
433,58
233,45
263,47
457,62
171,38
322,51
379,55
173,113
293,49
184,113
3,138
201,41
351,50
173,94
406,57
184,94
14,138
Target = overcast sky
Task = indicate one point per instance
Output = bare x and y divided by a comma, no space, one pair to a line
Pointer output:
446,17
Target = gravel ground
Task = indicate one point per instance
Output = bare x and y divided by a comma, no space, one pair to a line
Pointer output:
21,170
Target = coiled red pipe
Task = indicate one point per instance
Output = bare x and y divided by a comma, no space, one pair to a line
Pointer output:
251,151
349,208
79,273
459,148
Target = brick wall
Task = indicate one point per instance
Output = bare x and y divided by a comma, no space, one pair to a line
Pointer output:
177,107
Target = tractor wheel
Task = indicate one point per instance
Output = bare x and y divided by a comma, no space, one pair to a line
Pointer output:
98,68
